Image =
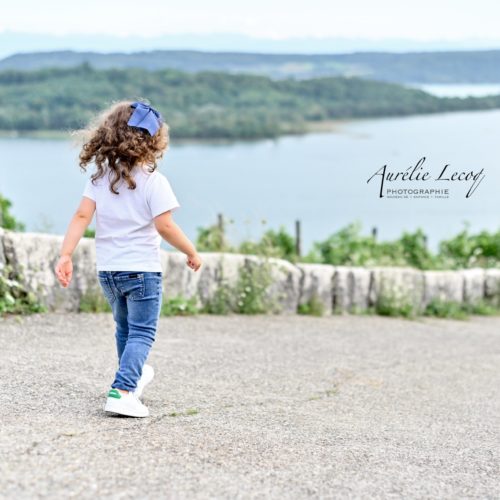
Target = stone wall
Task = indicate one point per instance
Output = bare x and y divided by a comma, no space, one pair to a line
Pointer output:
338,288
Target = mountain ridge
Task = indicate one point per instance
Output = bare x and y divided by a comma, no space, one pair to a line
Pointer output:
481,66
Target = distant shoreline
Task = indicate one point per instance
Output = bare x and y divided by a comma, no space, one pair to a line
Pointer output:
62,135
325,126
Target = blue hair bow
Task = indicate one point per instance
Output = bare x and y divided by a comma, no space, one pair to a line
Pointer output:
145,117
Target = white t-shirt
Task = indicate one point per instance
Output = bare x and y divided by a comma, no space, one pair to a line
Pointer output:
126,238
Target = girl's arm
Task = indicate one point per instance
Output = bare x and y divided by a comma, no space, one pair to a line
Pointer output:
173,234
80,221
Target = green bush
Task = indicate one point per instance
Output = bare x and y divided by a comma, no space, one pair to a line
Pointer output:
415,252
349,247
222,301
394,304
313,307
251,289
179,306
445,309
14,299
7,220
482,308
472,250
93,301
248,296
213,239
279,244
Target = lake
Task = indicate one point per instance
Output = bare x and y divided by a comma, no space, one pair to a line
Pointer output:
319,178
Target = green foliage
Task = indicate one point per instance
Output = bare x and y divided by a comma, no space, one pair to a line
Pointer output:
212,239
349,247
279,244
472,250
445,309
482,308
208,104
14,299
89,233
456,310
414,250
248,296
345,247
222,301
7,220
179,306
93,301
313,307
251,289
392,304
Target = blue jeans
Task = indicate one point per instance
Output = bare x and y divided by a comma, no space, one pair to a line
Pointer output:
135,299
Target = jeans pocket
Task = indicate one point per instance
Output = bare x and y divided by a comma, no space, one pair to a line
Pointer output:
106,288
131,285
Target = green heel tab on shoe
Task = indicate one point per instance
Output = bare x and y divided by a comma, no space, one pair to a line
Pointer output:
113,393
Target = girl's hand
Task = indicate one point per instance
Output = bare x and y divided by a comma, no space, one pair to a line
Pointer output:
64,270
193,261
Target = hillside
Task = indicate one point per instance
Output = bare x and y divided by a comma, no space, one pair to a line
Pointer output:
209,104
423,67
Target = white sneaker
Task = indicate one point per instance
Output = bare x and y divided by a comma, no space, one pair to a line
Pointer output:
147,375
125,404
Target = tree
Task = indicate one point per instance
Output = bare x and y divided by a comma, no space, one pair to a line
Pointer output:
7,220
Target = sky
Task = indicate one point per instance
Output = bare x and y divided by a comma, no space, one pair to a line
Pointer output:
444,21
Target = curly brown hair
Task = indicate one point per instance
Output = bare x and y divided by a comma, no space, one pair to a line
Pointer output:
117,147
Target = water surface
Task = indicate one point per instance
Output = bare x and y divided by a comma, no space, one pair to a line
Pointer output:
319,178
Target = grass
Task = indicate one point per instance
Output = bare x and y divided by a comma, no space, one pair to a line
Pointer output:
483,308
220,303
313,307
437,308
187,413
455,310
180,306
328,393
395,302
93,301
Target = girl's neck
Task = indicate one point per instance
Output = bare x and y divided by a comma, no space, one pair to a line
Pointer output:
141,165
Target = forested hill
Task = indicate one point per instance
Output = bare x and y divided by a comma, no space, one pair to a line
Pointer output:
208,104
424,67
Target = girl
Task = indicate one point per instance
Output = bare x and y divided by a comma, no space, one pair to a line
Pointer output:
133,204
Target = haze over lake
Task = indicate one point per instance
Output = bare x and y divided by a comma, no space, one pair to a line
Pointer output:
459,89
320,178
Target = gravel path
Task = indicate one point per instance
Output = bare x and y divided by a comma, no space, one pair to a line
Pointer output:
254,407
